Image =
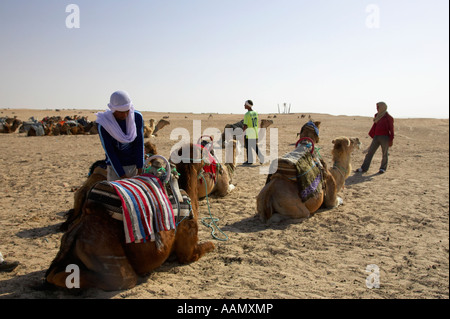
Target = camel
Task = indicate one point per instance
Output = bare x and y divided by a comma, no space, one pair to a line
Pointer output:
160,125
97,173
263,124
10,125
150,130
280,197
96,243
341,153
216,178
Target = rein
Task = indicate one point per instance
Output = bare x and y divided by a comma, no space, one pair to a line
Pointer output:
212,224
340,169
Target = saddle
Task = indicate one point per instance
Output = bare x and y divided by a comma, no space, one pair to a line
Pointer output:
303,166
146,204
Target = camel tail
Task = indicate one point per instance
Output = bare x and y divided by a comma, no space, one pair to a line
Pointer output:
264,204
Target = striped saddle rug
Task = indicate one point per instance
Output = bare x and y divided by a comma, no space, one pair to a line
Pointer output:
303,167
141,202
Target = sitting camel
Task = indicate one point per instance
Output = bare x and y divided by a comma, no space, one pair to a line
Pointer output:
150,130
97,244
282,195
214,177
342,150
9,125
160,125
97,173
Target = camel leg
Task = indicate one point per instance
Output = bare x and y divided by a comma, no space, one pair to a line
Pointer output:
95,248
187,247
223,184
100,249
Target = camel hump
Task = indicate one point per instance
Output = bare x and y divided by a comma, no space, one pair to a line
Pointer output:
302,167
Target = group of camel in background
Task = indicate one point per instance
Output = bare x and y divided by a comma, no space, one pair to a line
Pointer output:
56,125
49,126
112,264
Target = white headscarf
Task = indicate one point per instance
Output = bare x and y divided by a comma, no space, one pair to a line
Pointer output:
119,101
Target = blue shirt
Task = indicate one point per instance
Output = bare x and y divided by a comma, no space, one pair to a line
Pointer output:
124,154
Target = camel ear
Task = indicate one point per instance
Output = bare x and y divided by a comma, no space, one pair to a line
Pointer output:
333,141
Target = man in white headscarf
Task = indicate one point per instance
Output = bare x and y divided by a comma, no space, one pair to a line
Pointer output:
121,131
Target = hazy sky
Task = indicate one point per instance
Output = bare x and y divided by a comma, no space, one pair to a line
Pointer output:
322,56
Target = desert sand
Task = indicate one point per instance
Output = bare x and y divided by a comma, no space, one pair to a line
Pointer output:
398,221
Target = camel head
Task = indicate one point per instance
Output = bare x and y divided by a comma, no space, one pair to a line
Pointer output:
161,123
150,148
344,146
265,123
189,161
311,130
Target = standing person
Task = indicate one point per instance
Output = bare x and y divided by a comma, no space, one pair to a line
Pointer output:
251,133
121,131
382,134
7,265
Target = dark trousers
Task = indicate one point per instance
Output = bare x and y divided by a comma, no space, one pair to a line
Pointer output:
250,145
378,140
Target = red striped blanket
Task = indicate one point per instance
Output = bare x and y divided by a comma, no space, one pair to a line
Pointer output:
146,207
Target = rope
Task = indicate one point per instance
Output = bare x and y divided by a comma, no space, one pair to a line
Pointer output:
213,221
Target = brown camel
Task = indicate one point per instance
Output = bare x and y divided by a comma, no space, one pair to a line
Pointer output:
150,130
96,244
342,150
281,194
160,125
10,126
216,178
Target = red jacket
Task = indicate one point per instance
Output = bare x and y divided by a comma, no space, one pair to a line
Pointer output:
385,126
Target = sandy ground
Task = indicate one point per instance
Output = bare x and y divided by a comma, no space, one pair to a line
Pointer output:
398,221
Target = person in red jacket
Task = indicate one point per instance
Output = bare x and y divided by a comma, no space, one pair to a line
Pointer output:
382,134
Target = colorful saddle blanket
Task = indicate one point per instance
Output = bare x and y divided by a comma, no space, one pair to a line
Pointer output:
141,202
302,166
